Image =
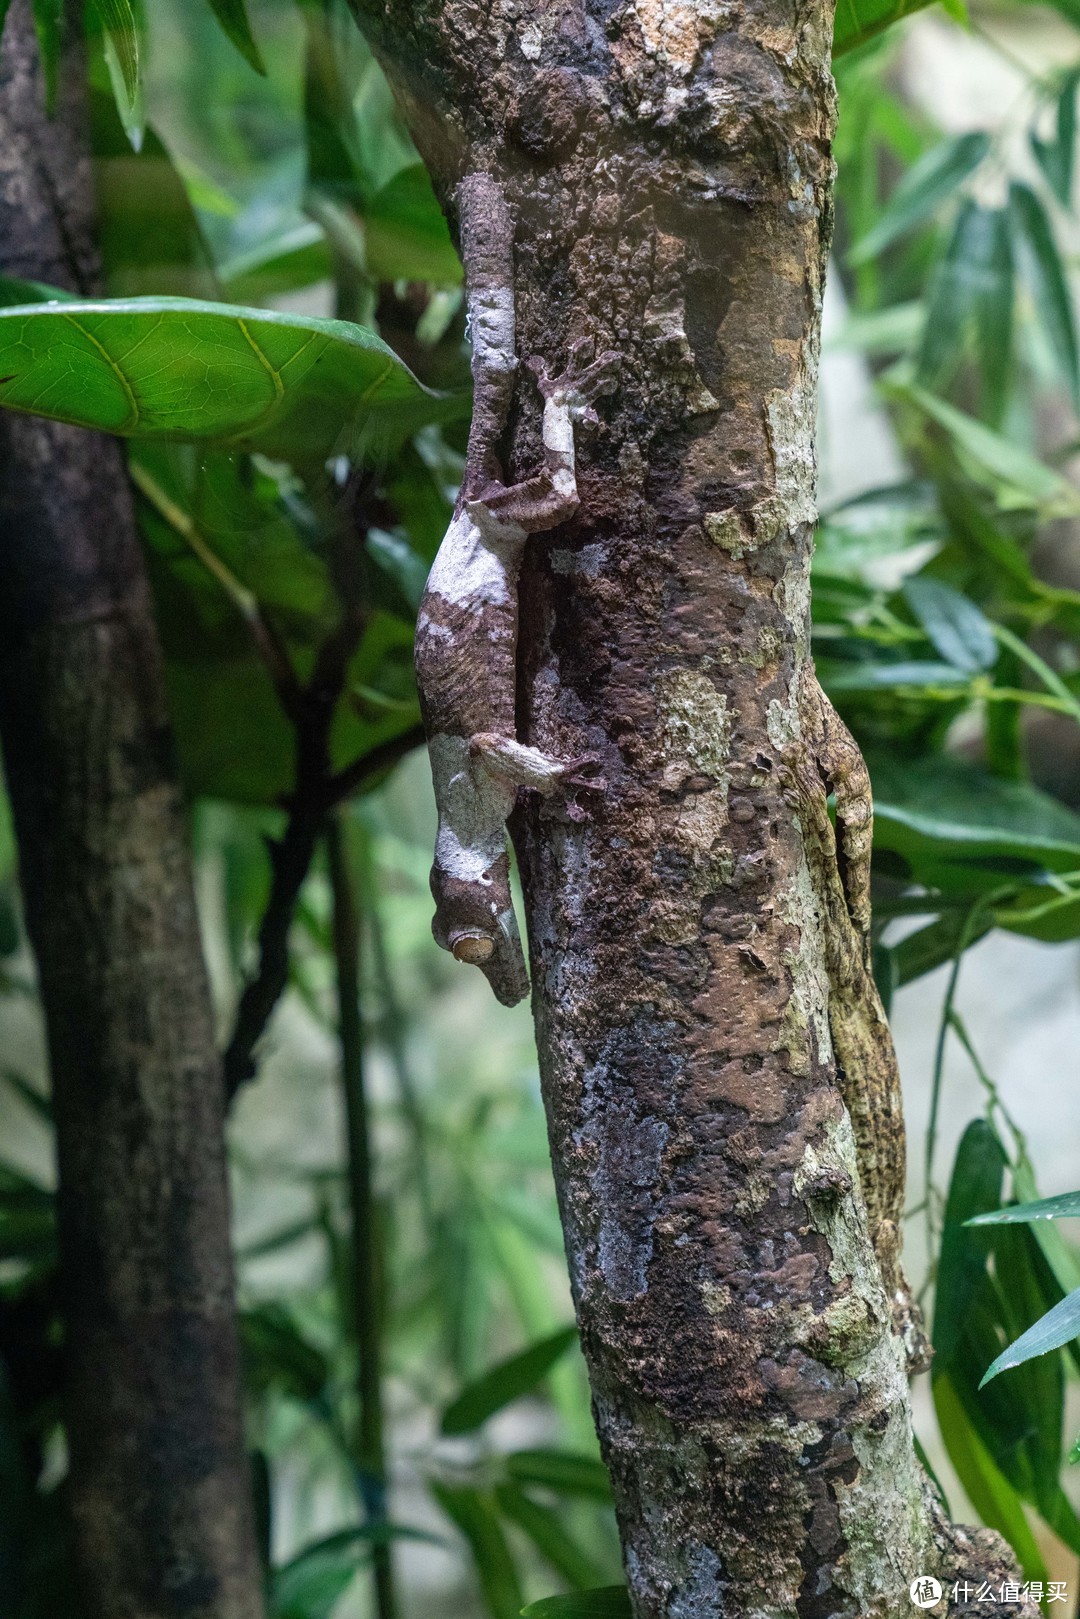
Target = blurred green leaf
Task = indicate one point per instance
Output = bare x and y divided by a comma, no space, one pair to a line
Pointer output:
958,629
971,305
233,17
474,1513
921,191
48,15
543,1528
990,1492
277,1355
561,1472
1056,1328
506,1382
1051,296
974,1188
288,385
604,1602
1056,157
407,236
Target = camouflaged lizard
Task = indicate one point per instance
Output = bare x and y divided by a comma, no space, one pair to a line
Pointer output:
828,760
467,631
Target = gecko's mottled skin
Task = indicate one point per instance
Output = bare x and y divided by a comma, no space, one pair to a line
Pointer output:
828,760
467,631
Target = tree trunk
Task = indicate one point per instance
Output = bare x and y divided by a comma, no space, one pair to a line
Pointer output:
159,1480
668,166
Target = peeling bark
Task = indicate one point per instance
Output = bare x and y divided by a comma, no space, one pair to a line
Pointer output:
159,1487
669,168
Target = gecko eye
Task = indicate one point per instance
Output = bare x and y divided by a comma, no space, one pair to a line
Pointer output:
474,948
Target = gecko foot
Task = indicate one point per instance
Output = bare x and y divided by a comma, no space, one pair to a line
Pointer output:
523,766
583,380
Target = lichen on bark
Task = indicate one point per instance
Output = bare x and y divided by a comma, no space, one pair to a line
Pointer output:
668,165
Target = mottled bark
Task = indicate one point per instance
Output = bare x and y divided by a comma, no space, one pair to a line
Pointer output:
159,1484
668,166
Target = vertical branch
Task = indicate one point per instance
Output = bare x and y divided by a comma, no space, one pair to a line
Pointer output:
371,1451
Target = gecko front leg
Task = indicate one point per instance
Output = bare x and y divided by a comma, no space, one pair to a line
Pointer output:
466,641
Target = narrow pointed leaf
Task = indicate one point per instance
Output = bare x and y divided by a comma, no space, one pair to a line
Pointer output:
285,384
1065,1207
543,1528
473,1511
1056,1328
1049,287
1055,157
971,305
603,1602
121,28
506,1382
923,189
562,1472
233,17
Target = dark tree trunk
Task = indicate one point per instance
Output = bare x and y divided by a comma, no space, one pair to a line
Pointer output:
669,170
159,1483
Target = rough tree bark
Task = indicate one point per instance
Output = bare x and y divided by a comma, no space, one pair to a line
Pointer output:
668,166
159,1483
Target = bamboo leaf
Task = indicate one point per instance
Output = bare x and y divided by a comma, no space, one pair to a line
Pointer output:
1018,479
506,1382
1056,1328
860,20
288,385
971,298
562,1472
1056,157
925,186
233,17
991,1494
1064,1207
603,1602
473,1512
1049,286
547,1534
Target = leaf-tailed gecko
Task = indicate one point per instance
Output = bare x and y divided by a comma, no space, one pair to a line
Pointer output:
467,631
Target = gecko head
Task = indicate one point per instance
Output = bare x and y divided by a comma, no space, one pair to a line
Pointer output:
474,920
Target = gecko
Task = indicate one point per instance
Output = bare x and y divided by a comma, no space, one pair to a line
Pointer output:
467,628
827,759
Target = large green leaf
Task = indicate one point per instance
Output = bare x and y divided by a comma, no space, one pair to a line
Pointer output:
288,385
922,190
990,1492
507,1381
407,235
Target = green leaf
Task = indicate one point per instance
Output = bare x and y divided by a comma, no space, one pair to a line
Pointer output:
310,1585
48,16
1049,285
1056,1328
604,1602
975,1187
233,17
1019,480
954,625
547,1534
288,385
971,296
860,20
150,238
1055,157
473,1511
1064,1207
990,1492
562,1472
507,1381
865,675
931,946
923,189
942,809
407,235
277,1355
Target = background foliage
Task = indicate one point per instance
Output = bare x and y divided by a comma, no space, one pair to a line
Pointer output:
416,1399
